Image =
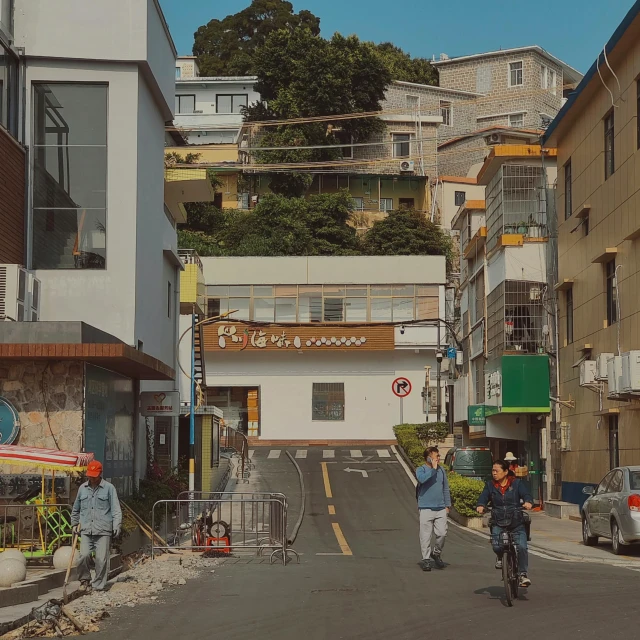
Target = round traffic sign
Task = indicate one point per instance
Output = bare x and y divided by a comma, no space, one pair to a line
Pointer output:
401,387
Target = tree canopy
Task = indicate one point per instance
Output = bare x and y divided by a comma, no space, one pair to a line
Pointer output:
228,47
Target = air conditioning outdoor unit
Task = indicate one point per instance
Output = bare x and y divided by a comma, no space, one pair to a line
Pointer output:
587,372
407,166
494,138
14,293
601,366
630,379
614,376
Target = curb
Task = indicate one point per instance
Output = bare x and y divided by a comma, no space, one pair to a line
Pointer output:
556,555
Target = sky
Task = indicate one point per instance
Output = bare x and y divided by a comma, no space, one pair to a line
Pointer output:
572,30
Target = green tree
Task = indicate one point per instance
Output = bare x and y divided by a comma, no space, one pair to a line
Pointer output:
227,47
407,232
403,67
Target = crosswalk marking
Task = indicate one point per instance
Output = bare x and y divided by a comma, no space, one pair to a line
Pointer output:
328,453
383,453
301,453
356,453
274,454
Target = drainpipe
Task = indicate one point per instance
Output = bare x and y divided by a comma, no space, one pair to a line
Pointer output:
175,436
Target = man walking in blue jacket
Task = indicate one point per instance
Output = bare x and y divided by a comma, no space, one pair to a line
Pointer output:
434,502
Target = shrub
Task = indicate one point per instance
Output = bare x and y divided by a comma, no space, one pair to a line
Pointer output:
464,491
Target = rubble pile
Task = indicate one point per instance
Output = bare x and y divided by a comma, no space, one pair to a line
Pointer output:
139,585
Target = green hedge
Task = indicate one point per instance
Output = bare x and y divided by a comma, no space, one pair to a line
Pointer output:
464,491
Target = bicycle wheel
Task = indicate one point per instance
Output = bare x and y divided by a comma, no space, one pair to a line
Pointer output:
506,577
515,578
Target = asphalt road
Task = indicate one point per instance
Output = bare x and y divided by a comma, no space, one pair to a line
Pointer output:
379,591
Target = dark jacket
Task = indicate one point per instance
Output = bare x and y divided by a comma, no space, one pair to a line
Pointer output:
432,491
505,507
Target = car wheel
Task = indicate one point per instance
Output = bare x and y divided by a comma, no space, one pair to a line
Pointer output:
587,538
615,538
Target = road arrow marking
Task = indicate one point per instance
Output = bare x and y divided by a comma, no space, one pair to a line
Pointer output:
358,460
362,471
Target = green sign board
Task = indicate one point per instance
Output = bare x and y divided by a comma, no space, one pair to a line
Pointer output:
475,415
525,384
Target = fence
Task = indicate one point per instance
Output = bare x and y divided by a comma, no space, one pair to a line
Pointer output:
36,529
226,522
235,441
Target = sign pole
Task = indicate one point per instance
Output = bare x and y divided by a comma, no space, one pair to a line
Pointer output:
401,410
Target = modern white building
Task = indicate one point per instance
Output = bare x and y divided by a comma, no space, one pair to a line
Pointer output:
98,84
314,344
209,110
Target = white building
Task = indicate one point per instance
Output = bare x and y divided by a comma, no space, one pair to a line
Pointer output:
210,109
317,343
98,80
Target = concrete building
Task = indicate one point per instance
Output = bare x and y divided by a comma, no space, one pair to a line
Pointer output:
97,273
598,200
314,345
501,399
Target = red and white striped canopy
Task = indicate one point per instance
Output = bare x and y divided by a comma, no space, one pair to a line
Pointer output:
51,459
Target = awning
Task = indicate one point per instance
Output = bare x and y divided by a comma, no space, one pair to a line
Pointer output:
45,459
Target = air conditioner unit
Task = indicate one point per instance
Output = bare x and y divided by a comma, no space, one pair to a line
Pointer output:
630,379
587,372
34,298
614,375
14,293
601,366
407,166
494,138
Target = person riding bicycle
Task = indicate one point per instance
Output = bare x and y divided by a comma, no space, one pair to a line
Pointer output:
505,493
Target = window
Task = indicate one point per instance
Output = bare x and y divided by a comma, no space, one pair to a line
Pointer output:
9,94
515,74
516,120
614,446
334,309
612,293
69,226
548,79
609,135
585,224
460,197
446,113
185,104
483,78
569,303
358,203
386,204
178,73
401,145
346,139
231,103
168,299
478,377
406,203
327,401
568,205
617,481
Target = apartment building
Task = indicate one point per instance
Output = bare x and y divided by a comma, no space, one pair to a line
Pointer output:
598,201
91,288
501,400
310,353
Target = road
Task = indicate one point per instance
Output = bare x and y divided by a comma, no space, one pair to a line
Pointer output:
370,586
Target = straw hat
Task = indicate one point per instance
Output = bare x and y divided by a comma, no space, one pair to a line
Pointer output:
510,457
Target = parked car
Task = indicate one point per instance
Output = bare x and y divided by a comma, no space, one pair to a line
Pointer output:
472,462
612,510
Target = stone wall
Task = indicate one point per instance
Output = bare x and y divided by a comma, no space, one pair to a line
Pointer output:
49,398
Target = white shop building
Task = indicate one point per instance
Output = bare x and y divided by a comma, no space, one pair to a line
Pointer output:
315,344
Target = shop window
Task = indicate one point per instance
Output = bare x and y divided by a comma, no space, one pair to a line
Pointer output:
328,401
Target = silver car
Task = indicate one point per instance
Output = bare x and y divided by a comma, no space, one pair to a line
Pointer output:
612,510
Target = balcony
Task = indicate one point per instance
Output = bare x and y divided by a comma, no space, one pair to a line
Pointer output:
516,205
192,285
183,185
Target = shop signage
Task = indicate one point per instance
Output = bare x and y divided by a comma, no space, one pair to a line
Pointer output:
477,414
240,337
160,403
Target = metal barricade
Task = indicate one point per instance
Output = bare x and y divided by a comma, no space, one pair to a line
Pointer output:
226,522
36,529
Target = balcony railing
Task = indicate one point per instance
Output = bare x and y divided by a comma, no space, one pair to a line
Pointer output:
190,256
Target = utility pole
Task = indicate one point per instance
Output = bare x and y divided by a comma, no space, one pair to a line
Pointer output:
439,357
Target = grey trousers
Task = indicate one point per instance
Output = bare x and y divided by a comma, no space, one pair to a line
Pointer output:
100,545
433,531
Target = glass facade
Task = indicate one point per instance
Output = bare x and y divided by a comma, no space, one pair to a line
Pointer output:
325,303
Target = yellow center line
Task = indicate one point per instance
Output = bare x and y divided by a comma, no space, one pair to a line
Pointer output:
332,510
342,542
325,477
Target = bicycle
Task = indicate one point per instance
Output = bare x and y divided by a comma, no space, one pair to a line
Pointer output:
509,558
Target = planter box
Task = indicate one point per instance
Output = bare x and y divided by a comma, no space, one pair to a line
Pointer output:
470,523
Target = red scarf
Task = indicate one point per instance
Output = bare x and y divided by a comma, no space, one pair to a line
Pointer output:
503,489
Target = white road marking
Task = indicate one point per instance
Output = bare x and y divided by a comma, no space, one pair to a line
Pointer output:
328,453
251,452
301,453
356,453
362,471
384,453
274,454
